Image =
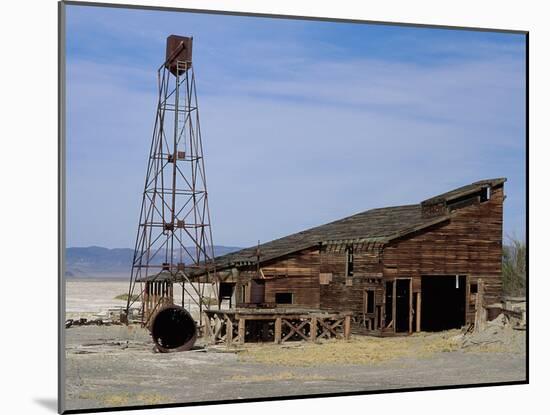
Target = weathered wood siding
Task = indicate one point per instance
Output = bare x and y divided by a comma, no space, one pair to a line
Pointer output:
344,293
296,273
470,243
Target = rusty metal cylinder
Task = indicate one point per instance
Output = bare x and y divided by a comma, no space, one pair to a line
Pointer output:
173,329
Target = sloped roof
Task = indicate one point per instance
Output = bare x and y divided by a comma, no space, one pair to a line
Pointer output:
464,190
375,225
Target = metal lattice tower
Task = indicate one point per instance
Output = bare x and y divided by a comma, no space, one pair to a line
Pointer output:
174,238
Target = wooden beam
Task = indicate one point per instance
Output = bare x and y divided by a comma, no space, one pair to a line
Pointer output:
295,330
394,302
347,327
209,333
411,313
331,328
218,325
313,329
241,330
480,310
228,331
467,299
278,329
418,308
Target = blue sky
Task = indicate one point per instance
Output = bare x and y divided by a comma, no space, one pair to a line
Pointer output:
302,122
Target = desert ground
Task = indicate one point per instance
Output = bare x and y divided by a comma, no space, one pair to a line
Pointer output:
91,298
117,366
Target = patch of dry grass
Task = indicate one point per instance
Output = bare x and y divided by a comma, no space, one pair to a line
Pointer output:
152,398
448,341
116,400
359,350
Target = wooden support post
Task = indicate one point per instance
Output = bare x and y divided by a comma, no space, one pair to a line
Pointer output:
208,329
153,305
467,300
347,327
394,302
228,331
480,318
365,306
418,308
313,329
278,329
146,301
242,331
411,312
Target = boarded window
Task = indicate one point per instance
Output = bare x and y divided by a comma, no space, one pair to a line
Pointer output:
283,298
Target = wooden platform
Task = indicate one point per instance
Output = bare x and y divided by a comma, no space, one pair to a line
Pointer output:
237,326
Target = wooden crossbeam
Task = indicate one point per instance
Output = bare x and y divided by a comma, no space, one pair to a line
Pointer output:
296,330
218,329
330,328
209,332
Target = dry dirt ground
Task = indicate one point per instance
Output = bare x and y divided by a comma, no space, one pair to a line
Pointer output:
116,366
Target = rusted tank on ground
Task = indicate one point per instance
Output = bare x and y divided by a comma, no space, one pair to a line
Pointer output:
173,329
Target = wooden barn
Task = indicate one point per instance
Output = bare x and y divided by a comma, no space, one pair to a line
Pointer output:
395,269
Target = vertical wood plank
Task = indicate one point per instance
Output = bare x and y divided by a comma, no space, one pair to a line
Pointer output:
394,303
467,300
347,327
241,329
480,311
208,330
228,331
418,308
278,329
411,312
313,328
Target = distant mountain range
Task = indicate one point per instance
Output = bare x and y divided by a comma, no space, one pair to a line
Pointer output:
99,262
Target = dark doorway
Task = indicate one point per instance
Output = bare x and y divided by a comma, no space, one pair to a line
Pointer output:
369,302
402,305
388,309
443,302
